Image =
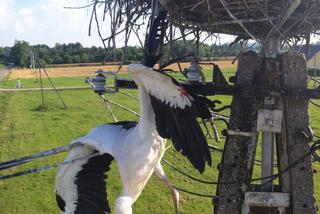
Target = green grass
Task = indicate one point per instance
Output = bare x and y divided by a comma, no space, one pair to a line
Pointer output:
25,130
35,83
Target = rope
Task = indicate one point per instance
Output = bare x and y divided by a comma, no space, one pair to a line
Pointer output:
314,79
315,104
312,152
313,148
187,175
217,149
193,193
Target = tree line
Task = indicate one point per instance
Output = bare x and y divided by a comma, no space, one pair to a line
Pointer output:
21,52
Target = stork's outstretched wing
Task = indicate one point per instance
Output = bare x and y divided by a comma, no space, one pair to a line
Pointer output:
80,186
175,113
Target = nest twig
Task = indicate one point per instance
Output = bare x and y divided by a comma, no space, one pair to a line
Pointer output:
290,20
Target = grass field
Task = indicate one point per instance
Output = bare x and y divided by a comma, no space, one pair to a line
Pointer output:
89,70
25,130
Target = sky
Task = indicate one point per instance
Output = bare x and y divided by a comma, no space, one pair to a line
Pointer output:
48,22
45,22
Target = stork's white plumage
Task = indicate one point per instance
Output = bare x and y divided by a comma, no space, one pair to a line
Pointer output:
167,111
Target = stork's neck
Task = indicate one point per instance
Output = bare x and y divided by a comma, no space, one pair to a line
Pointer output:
147,119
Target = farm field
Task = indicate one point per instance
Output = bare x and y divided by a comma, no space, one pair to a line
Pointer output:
89,70
25,130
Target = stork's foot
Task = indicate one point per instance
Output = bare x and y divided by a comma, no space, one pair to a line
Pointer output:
176,199
175,194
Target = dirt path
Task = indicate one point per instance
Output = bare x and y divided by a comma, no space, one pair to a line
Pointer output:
3,73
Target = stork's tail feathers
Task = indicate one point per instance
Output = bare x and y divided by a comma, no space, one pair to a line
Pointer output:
81,186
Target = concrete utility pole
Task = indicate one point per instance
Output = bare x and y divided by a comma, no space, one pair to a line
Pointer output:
281,119
315,69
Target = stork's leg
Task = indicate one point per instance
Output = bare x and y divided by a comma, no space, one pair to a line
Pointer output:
175,194
123,205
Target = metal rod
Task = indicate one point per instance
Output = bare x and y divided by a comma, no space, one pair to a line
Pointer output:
19,161
215,130
267,160
55,89
110,110
120,106
208,133
41,90
44,168
45,89
272,49
129,95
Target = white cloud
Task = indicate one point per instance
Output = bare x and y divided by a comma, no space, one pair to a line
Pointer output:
65,18
47,22
67,25
24,20
6,11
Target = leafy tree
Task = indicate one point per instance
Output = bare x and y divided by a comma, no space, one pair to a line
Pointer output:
2,56
76,59
84,57
76,53
67,59
44,53
20,53
134,53
56,59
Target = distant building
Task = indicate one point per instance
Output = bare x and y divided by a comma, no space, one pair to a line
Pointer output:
314,61
313,57
10,65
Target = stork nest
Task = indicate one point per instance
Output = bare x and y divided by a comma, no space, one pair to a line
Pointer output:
254,18
250,19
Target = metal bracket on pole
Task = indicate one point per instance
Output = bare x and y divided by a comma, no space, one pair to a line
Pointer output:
278,200
272,49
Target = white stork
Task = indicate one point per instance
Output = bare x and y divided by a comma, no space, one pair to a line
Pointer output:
167,111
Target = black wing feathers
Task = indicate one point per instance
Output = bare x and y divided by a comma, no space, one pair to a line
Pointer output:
90,181
61,203
125,124
183,128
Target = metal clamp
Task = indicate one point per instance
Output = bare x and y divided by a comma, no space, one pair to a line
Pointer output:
241,133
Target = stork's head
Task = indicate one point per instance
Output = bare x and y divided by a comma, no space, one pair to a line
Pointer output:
136,70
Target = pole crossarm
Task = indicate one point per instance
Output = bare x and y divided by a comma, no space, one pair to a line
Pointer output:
208,89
